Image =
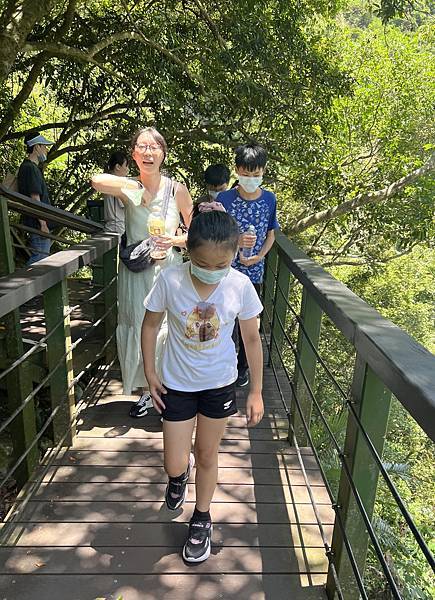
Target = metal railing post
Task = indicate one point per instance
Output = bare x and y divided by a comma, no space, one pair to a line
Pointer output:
110,267
280,308
269,287
311,317
371,400
19,381
55,306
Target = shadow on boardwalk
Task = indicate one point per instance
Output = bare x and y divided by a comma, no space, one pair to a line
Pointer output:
96,526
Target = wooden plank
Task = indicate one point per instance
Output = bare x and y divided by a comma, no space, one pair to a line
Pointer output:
279,312
154,511
305,368
268,289
19,381
110,271
144,459
50,236
143,432
115,414
121,444
139,475
119,492
114,409
99,511
115,384
61,393
164,534
20,242
165,587
25,283
159,560
371,401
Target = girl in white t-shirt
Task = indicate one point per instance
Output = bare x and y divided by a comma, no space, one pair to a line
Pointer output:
202,299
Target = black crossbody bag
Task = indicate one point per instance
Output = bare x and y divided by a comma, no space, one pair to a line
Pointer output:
136,257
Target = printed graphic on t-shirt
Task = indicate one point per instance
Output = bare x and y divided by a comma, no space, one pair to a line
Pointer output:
203,323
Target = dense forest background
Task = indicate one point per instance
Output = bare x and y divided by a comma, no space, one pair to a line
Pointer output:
342,95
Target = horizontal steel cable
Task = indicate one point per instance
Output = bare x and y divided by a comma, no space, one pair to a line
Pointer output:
38,345
355,492
307,337
385,476
43,340
53,414
32,484
332,498
55,368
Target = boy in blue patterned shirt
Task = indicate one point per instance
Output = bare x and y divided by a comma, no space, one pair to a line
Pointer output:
250,204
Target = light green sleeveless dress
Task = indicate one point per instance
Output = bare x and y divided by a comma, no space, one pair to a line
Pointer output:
134,287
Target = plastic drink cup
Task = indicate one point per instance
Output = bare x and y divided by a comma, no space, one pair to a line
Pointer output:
156,228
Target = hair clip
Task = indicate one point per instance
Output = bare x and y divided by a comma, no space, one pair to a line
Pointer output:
208,206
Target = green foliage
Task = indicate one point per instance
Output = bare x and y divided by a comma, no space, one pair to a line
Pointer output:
372,137
409,306
205,91
341,94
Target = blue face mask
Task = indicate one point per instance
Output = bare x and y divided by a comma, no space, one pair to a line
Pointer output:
250,184
206,276
213,195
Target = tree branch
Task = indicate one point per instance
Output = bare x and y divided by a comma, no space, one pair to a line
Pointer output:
212,25
107,113
23,94
16,22
62,50
342,263
377,261
362,199
67,19
37,67
91,144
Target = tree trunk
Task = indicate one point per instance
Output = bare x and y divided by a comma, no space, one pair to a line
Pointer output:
16,104
16,22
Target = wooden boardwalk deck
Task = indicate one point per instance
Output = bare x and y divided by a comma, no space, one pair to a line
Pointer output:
95,527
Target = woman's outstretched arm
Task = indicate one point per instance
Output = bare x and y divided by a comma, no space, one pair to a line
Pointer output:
112,185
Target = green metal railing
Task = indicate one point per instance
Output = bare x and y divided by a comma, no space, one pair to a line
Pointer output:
387,361
22,376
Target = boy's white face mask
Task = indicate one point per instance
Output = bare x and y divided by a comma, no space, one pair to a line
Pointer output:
250,184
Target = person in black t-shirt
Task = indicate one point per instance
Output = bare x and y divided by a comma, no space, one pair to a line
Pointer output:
31,183
216,180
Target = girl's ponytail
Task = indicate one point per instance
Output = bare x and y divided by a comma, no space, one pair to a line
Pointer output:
213,226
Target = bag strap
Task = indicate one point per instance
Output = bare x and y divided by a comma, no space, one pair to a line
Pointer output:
167,193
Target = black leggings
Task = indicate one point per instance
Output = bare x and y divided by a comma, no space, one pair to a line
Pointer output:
242,361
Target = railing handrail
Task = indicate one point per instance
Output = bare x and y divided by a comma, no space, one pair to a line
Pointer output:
26,206
404,365
28,282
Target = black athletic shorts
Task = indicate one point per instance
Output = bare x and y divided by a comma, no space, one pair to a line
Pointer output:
216,404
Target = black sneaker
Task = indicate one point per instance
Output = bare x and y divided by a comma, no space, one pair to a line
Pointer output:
242,379
177,488
198,544
140,408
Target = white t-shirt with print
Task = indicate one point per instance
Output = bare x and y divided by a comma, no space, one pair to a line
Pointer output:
199,353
